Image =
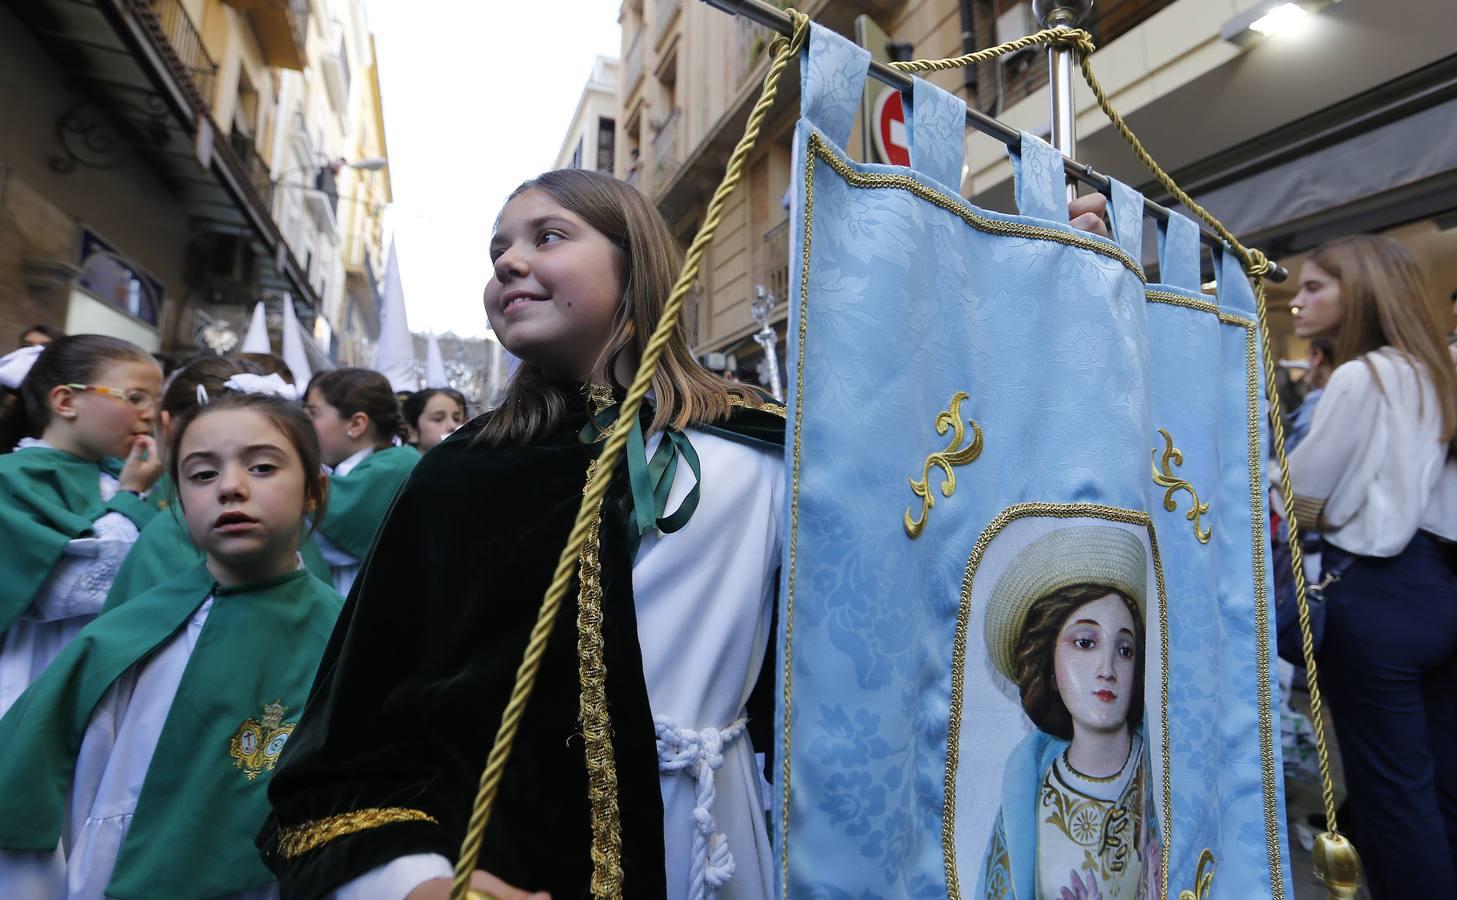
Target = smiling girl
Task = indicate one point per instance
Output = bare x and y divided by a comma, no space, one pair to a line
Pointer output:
136,765
1064,623
68,520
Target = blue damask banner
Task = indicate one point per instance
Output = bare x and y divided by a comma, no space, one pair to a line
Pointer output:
1025,636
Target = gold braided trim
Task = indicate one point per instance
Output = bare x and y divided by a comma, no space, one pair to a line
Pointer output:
958,661
774,409
596,725
296,840
821,149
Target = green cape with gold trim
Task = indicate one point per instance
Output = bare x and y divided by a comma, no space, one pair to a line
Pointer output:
203,797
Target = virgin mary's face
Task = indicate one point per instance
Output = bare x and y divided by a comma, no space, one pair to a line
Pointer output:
1094,663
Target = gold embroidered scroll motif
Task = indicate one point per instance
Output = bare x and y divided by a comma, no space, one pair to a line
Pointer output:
1164,477
1203,881
948,419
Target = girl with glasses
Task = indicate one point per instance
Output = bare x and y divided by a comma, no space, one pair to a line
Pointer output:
67,516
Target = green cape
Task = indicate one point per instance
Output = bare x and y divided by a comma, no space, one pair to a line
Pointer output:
165,548
358,501
48,498
204,794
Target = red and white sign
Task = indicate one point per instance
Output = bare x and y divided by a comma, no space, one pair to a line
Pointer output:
892,141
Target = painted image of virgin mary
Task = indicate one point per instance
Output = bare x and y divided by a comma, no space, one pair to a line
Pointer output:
1065,624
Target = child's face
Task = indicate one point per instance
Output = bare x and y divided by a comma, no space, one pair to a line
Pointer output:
441,416
556,286
338,436
1094,665
105,424
242,488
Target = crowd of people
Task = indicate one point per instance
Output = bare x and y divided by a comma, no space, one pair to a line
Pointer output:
179,547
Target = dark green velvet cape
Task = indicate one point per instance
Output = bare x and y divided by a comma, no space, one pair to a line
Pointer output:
418,671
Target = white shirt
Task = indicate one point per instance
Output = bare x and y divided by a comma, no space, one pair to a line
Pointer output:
343,565
116,751
704,597
1375,456
71,596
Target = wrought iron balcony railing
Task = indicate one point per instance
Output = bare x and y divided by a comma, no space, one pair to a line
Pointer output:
186,44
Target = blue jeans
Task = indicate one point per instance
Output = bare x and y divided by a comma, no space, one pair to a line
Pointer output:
1389,669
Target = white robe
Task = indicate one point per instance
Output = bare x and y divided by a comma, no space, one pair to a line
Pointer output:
116,752
71,596
704,597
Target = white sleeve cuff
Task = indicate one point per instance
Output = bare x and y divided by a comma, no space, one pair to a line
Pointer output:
395,879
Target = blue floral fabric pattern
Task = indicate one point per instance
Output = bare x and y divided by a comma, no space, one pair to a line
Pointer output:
1039,174
903,296
938,129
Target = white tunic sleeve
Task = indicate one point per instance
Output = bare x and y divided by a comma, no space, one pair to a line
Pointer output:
71,596
395,879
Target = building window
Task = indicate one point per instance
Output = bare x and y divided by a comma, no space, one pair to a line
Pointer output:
116,281
606,143
576,162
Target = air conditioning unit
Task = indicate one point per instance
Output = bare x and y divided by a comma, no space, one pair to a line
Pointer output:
1015,23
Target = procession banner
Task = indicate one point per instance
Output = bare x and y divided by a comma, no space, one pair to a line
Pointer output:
1025,642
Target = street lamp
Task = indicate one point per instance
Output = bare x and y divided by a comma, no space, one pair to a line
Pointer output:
762,306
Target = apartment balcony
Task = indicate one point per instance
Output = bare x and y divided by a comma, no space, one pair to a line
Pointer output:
143,65
632,66
185,44
1026,73
336,69
665,14
282,28
666,156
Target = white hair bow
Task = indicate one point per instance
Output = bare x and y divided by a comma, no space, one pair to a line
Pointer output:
14,366
272,384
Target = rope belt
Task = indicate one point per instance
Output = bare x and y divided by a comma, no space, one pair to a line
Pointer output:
699,754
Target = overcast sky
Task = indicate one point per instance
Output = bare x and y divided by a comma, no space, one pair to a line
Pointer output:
478,95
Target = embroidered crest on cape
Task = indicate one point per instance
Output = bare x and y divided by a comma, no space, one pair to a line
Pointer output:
256,745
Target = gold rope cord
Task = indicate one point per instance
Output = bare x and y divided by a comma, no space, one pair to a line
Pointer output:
1256,266
783,50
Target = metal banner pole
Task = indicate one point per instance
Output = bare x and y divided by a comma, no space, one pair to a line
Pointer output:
1061,63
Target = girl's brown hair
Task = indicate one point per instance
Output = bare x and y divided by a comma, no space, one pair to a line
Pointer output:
1385,301
1033,664
207,372
286,415
685,393
75,359
353,391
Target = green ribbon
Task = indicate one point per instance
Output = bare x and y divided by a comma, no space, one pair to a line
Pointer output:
651,479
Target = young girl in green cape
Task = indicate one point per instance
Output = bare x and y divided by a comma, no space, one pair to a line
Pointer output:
165,547
67,520
136,766
356,417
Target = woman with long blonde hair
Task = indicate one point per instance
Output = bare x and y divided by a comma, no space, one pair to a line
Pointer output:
1377,475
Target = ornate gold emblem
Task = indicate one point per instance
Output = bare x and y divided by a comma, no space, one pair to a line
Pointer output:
1203,881
1164,477
953,455
256,745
